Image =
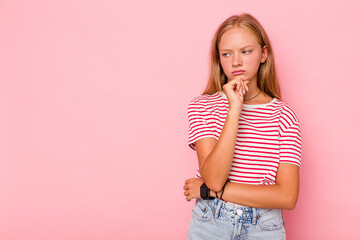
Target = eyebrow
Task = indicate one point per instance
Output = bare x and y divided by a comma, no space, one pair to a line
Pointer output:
240,48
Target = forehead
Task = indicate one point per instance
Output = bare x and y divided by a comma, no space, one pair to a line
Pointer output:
237,38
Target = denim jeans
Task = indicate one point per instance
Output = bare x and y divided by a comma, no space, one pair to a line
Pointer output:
215,219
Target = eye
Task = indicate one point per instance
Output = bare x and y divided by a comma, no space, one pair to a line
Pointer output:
246,51
225,54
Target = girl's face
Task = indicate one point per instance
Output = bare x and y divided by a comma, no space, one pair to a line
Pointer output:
239,51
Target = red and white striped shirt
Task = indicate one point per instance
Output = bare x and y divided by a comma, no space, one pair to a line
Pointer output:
268,134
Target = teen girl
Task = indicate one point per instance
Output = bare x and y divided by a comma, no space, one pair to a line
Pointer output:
247,140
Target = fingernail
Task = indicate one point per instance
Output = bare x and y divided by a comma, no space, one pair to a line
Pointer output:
244,92
247,89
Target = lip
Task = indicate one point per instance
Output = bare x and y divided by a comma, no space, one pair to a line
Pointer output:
238,72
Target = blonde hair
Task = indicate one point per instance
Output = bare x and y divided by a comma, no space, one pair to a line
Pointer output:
267,80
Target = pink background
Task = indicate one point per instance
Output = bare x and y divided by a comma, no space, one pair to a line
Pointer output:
93,125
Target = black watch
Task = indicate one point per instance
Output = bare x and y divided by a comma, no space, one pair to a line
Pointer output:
205,192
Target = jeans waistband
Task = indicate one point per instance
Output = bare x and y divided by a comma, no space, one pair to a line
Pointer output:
235,211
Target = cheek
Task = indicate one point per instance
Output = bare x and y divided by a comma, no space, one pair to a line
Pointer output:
225,64
253,60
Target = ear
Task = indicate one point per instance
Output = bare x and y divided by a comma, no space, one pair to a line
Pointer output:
264,54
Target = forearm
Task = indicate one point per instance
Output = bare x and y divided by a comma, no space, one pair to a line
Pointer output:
217,164
259,196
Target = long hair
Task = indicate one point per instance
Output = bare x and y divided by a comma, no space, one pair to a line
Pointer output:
267,80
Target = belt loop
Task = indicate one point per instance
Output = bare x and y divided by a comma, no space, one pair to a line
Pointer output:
254,216
217,211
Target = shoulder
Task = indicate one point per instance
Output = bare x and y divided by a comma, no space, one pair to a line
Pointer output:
204,104
205,100
287,113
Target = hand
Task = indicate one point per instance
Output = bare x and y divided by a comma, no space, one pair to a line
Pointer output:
192,188
235,91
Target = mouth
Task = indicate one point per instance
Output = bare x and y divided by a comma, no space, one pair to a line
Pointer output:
238,72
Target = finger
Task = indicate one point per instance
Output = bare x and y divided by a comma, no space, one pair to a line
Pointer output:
244,87
188,198
186,187
246,82
241,90
234,84
237,81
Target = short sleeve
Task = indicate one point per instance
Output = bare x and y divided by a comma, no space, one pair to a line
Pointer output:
199,126
290,138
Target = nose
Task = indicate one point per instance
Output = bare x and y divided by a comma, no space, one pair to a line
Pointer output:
237,61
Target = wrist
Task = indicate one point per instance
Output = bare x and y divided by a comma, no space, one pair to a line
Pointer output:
213,194
205,192
234,111
219,194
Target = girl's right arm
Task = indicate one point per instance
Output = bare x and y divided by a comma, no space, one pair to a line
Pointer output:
215,158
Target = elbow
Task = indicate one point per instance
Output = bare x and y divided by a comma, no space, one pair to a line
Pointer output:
214,181
290,202
216,186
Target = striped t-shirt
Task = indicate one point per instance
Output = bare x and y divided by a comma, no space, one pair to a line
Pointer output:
268,134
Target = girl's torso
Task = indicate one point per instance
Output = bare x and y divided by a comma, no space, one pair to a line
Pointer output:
257,150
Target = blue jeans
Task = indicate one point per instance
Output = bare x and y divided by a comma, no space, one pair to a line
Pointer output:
215,219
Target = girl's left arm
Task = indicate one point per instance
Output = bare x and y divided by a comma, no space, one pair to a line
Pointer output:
282,195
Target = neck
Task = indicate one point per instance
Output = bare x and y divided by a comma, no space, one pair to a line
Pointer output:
253,90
